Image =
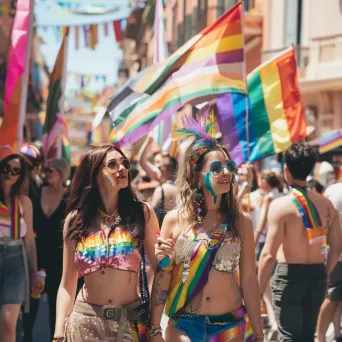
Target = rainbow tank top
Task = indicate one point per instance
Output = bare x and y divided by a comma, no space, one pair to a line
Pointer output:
310,216
11,219
188,280
118,251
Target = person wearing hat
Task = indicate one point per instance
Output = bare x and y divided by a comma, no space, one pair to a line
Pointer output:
50,215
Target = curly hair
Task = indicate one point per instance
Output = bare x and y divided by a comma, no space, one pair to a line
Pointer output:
85,197
187,181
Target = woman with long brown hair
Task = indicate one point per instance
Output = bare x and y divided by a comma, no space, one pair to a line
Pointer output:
18,262
202,244
106,234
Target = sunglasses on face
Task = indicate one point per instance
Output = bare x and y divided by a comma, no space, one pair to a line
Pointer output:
14,171
216,168
48,170
114,165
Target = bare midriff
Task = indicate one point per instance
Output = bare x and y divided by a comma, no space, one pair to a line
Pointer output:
110,287
220,295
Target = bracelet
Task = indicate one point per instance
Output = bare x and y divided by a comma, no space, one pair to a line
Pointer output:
165,262
155,331
58,339
257,337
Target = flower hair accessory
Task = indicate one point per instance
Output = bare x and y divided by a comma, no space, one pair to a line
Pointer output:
202,133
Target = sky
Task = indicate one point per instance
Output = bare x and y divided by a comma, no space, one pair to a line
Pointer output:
106,57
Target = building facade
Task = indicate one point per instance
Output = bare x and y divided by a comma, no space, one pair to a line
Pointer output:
315,28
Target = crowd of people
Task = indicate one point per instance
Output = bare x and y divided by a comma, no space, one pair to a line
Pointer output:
213,247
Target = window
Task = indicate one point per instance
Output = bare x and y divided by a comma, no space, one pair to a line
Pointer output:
291,22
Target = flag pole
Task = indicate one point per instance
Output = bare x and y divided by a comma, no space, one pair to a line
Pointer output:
244,71
62,99
25,80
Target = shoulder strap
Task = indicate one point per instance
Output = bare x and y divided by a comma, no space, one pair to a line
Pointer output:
143,282
162,201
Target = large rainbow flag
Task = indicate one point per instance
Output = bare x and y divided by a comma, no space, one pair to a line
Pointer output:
275,119
53,121
17,60
208,65
330,140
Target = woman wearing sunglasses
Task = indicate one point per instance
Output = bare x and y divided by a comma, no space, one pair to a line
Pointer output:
107,233
202,244
18,263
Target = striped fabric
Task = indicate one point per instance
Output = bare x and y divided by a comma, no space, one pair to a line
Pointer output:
11,220
209,64
276,117
329,141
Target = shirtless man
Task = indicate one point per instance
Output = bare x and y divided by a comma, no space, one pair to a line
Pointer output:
300,279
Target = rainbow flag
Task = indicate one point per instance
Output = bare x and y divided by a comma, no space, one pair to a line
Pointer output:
275,119
330,141
208,65
17,62
54,107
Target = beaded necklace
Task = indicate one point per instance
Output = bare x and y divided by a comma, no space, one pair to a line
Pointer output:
113,217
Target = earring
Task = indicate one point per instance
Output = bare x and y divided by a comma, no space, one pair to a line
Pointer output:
199,200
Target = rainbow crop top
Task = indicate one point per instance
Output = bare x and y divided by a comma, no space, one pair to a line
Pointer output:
117,251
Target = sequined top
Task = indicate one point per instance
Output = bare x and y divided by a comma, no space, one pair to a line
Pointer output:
118,251
226,259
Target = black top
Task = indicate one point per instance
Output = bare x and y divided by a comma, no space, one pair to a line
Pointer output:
49,239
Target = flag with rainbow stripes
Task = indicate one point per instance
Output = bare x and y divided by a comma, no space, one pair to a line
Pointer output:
208,65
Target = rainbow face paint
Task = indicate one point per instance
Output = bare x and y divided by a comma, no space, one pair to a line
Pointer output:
110,176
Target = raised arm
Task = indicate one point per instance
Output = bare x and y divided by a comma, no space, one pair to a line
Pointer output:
274,238
152,171
67,288
333,237
249,283
163,277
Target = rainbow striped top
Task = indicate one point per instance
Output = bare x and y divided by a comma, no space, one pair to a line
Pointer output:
11,223
310,216
118,251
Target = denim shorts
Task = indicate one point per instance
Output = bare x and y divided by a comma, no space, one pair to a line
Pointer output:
12,275
201,328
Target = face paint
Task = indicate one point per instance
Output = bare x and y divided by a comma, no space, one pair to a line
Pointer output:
208,182
110,176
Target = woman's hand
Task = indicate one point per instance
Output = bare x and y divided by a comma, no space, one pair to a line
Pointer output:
164,248
37,283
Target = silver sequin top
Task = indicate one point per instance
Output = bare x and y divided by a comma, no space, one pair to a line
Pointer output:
226,259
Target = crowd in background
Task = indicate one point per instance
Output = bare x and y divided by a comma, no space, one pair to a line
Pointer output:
153,179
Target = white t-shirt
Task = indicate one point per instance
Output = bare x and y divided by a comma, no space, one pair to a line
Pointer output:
334,194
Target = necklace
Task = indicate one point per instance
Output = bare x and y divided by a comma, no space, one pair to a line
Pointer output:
113,217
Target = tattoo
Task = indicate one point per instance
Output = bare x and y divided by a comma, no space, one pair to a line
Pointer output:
159,295
328,219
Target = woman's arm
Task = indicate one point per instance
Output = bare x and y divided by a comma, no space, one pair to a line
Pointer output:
248,276
30,244
151,171
67,288
163,277
151,233
263,220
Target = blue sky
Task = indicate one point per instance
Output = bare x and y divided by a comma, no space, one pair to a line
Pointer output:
106,57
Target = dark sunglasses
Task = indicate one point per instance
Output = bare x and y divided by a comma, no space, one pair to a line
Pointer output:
216,168
14,171
114,166
48,170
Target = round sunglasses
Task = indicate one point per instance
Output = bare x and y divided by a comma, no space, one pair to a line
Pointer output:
13,171
114,165
216,167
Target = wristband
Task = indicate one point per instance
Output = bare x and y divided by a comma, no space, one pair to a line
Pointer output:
58,339
165,262
155,331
